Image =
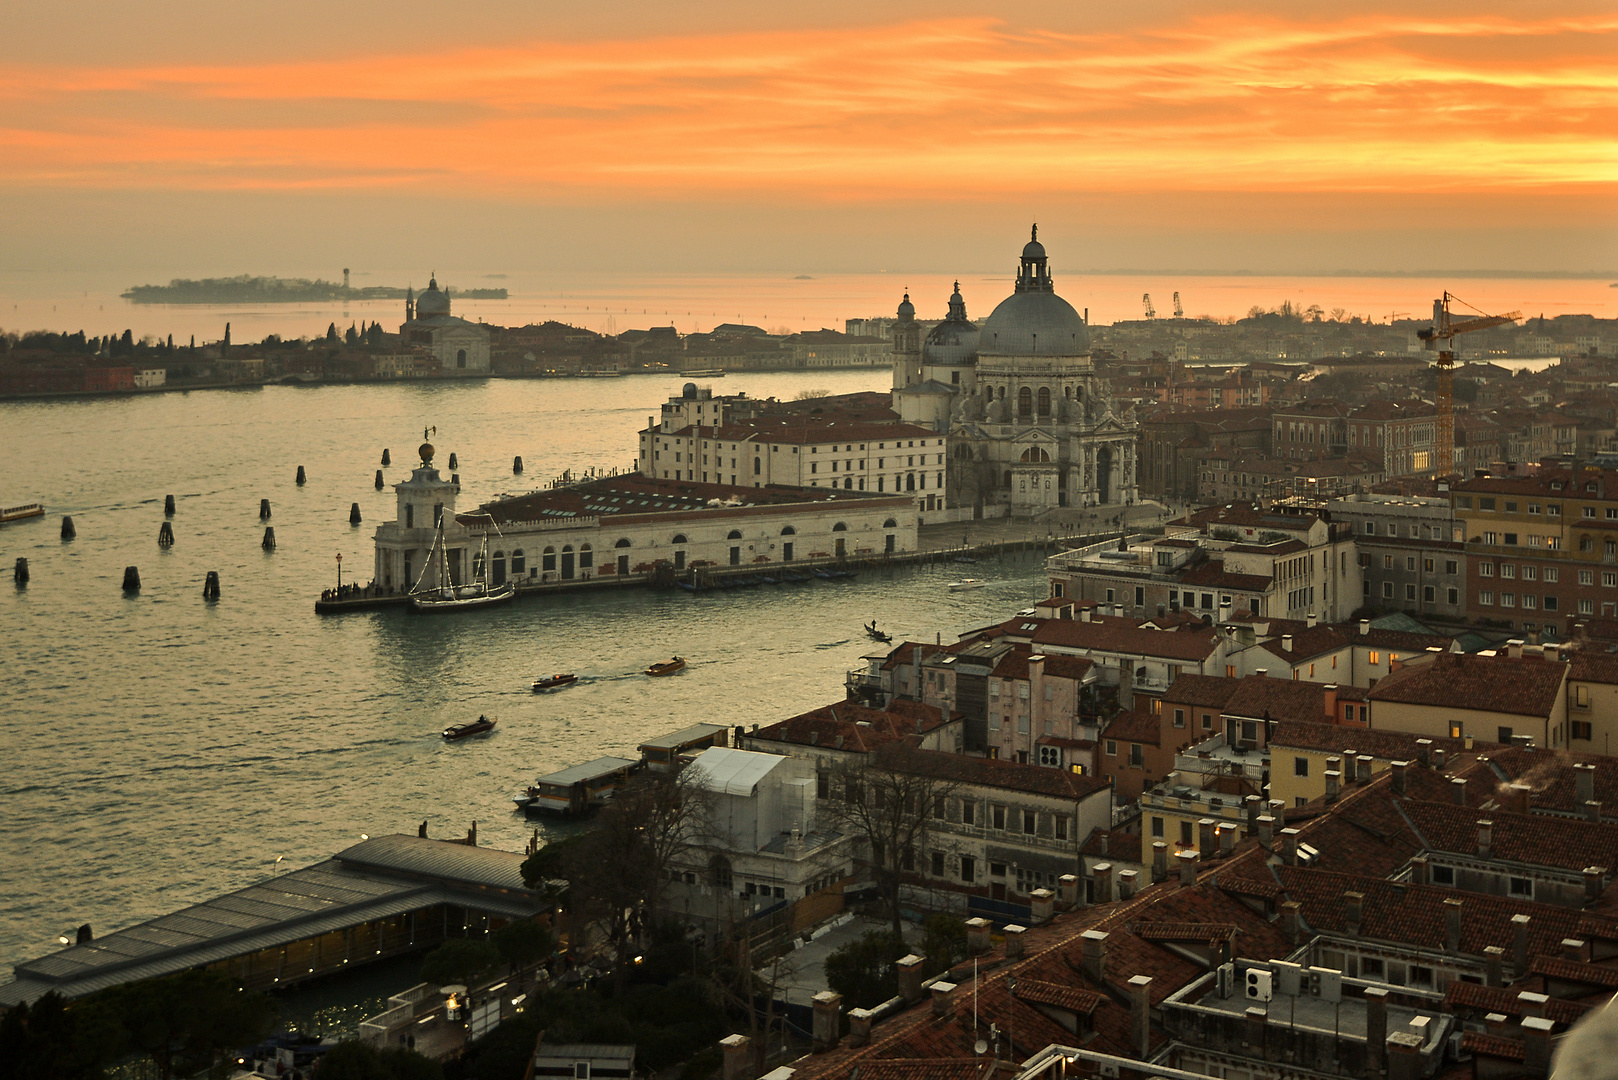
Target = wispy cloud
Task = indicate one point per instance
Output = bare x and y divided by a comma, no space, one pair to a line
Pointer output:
974,108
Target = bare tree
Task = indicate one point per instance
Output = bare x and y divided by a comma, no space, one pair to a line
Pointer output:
890,802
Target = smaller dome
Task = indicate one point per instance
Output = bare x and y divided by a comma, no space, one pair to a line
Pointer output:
907,310
1033,249
689,391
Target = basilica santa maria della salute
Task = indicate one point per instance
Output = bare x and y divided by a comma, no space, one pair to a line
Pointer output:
1031,427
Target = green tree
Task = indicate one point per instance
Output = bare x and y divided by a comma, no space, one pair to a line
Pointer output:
458,960
943,942
523,942
331,334
863,971
47,1039
189,1019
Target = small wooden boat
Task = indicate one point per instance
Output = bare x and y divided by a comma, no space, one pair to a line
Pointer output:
555,681
966,583
476,727
670,667
876,635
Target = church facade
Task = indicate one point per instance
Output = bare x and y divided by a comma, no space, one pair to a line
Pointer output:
1031,426
462,347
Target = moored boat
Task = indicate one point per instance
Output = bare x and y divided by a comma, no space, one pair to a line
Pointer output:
966,583
476,727
448,596
668,667
555,681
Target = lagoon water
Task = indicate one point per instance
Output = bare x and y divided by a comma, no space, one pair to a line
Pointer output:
161,749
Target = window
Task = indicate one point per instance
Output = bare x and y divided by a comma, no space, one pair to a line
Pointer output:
1185,834
1511,538
1300,766
1410,592
999,817
1454,596
1387,562
1530,573
1508,570
1387,590
1427,593
1135,757
969,868
1029,822
1179,718
938,864
1587,577
1207,721
1508,599
1059,826
1112,748
1486,597
1580,729
1587,607
1375,656
1609,579
1553,574
1486,570
1443,875
1589,512
1521,886
940,808
1410,562
969,812
1450,566
1157,826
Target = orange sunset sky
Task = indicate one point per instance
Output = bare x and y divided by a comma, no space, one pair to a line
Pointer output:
202,137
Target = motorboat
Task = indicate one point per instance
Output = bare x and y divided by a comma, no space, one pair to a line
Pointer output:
555,681
966,583
476,727
669,667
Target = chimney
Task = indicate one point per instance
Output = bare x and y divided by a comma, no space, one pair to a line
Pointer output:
1519,944
1398,770
1424,753
1101,840
1362,768
1311,620
1438,758
1576,950
1592,811
941,997
1140,1015
1253,1030
1496,1023
1252,807
1404,1056
1261,672
1126,883
1452,924
1514,648
1102,873
1520,797
1041,906
1376,1027
1067,892
1188,868
859,1026
1286,642
1084,615
1014,941
1205,837
1160,860
828,1020
1227,838
1330,701
910,977
738,1058
1418,870
1365,627
1532,1004
1094,960
1594,880
1552,652
1333,783
977,936
1536,1044
1291,923
1266,831
1584,783
1485,839
1354,911
1289,847
1493,960
1457,785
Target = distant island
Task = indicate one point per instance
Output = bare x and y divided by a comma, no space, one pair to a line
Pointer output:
247,289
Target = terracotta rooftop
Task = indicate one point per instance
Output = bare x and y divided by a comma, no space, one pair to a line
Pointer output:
1207,691
854,728
1140,727
988,772
1117,636
643,497
1383,743
1531,839
1524,686
1262,697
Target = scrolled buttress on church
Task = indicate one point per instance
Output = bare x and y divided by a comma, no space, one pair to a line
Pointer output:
1031,426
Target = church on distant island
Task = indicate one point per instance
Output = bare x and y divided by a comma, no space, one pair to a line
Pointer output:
1031,426
462,347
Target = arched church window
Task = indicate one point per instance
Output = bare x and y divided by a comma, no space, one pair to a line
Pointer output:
460,358
1044,401
1025,402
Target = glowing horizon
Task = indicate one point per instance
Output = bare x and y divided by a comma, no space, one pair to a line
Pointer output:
970,108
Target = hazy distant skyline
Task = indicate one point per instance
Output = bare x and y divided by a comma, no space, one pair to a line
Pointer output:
182,138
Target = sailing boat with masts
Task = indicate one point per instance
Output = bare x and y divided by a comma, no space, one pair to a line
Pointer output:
446,596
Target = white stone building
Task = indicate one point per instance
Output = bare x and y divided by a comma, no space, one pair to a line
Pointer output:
462,347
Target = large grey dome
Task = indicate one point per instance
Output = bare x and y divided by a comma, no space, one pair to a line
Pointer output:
1034,319
432,302
955,339
1035,322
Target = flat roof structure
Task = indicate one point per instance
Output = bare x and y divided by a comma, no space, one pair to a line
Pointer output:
379,879
683,738
590,770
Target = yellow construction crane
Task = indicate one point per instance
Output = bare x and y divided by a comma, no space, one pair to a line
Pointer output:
1440,338
1179,312
1146,299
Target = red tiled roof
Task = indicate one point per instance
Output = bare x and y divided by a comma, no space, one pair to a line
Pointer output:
860,728
1499,999
1593,667
1197,932
905,653
1525,686
1383,743
1212,575
988,772
1123,636
1261,697
1060,995
1495,1046
1531,839
1550,775
1208,691
1557,967
1137,727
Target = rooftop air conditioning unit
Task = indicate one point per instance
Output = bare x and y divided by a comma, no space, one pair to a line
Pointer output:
1258,984
1226,980
1307,856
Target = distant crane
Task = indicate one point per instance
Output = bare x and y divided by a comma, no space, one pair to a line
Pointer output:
1392,315
1440,338
1151,312
1179,312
